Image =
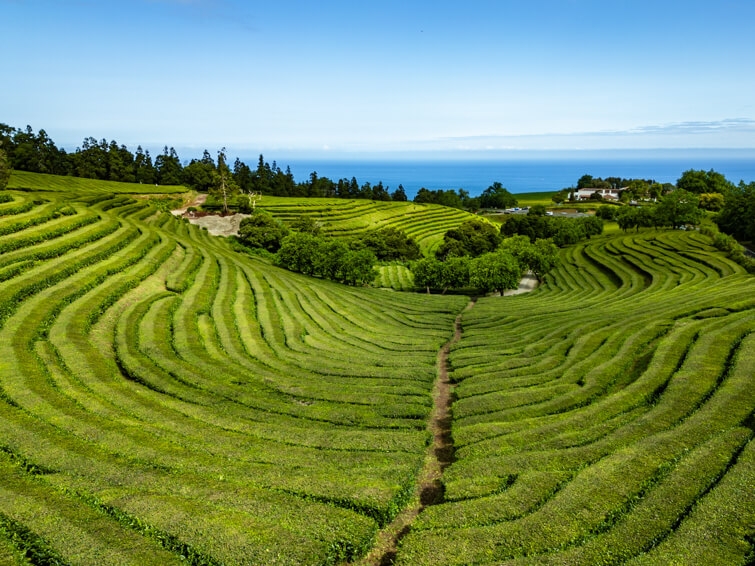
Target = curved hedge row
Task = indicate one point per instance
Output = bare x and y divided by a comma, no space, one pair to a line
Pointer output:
605,417
197,402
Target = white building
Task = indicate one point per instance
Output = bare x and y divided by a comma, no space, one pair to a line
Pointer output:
608,194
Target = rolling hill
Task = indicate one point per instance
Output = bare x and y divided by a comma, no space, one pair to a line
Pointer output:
164,399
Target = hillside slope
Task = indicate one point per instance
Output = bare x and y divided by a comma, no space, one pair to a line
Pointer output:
426,223
28,181
165,400
158,390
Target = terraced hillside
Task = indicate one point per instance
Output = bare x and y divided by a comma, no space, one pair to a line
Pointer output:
163,397
606,418
164,400
28,181
426,223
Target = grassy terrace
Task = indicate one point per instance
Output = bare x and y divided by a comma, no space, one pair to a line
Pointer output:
605,418
27,181
162,395
426,223
166,400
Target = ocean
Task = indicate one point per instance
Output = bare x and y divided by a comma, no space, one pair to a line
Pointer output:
517,175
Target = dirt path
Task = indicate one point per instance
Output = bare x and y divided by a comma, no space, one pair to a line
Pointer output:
198,201
440,454
527,284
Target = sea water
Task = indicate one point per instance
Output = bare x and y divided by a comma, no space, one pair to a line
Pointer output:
521,175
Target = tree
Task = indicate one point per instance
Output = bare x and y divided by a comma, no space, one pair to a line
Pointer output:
388,244
168,167
537,210
737,217
454,273
711,201
262,231
305,223
699,182
677,208
298,252
627,218
606,212
4,170
495,271
496,196
560,196
428,273
223,184
472,238
399,195
357,267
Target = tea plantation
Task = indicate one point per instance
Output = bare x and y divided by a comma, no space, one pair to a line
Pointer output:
167,400
426,223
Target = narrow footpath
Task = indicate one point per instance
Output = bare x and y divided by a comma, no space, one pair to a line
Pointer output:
440,454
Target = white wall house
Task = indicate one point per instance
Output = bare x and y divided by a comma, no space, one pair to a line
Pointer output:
608,194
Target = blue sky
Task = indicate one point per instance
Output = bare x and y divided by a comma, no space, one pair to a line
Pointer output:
346,77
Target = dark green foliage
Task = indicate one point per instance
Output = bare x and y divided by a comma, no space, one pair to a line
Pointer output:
262,231
388,244
495,271
399,195
4,170
539,257
677,208
307,224
324,257
737,217
711,201
472,238
496,196
699,182
563,231
447,198
537,210
455,273
606,212
428,273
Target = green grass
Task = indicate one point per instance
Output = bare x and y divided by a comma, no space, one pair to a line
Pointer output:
531,199
27,181
426,223
164,399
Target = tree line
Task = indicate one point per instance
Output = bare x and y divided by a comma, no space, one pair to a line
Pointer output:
27,150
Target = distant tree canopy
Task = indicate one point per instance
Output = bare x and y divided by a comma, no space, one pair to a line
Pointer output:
262,231
704,182
327,258
496,196
737,217
563,231
388,244
4,170
675,209
492,271
471,238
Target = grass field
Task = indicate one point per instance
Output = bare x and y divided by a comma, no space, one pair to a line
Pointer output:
426,223
26,181
531,199
166,400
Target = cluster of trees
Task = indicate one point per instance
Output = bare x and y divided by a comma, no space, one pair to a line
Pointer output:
306,250
36,152
4,170
737,215
495,196
563,231
327,258
495,270
471,238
